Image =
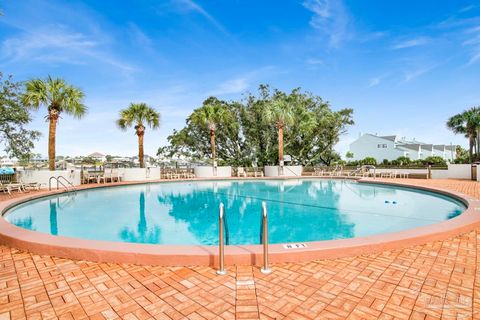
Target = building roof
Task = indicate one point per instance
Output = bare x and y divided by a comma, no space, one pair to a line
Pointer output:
96,155
427,147
440,147
411,146
391,138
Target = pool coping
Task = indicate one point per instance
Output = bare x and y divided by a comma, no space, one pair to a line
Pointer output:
184,255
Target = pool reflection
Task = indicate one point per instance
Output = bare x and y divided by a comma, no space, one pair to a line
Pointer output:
142,234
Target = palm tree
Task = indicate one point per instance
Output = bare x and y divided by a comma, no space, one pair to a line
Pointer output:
59,97
209,115
279,112
468,124
139,115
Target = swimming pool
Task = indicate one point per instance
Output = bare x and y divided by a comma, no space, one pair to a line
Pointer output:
186,213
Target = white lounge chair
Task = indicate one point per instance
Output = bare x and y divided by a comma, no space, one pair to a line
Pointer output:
9,187
241,172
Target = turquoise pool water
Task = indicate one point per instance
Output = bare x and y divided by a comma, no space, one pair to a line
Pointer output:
187,212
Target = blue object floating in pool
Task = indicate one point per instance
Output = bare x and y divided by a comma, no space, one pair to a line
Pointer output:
394,202
386,201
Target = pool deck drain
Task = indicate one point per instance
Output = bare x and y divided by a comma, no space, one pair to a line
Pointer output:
437,280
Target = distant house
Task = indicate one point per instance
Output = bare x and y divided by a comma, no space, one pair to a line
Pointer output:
7,162
392,147
97,156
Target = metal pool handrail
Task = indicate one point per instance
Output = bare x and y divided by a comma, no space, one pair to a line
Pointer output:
265,269
221,245
66,186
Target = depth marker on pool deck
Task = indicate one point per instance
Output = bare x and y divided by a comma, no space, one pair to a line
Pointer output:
295,245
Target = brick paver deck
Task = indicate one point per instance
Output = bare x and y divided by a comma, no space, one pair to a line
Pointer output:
437,280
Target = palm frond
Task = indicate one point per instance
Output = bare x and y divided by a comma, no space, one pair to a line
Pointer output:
138,114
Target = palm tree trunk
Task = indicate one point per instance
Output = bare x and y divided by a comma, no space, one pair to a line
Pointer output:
280,145
212,142
478,142
280,150
51,141
470,149
140,150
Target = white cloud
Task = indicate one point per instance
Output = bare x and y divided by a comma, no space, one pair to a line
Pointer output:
473,42
415,42
52,38
190,5
468,8
475,57
410,75
138,36
314,61
330,18
242,82
236,85
374,82
58,44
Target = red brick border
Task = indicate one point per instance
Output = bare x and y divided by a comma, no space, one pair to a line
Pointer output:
145,254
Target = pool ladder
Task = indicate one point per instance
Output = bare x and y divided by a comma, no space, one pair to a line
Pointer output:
223,231
61,180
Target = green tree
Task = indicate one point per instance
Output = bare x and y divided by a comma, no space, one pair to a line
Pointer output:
17,141
59,97
250,133
349,155
468,124
369,161
309,139
280,113
139,115
403,160
212,113
316,129
435,160
193,142
260,136
461,155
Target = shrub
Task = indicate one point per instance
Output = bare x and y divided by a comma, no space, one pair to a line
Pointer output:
403,160
435,160
385,162
369,161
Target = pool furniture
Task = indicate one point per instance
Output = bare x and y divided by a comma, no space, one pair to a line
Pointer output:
27,186
241,172
8,184
9,187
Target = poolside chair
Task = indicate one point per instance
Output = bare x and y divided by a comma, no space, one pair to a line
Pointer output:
241,172
317,172
27,186
8,188
258,173
116,176
103,177
6,180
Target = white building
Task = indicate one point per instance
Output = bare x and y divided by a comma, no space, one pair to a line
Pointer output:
97,156
392,147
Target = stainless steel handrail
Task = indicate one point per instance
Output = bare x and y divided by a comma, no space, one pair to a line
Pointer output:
50,183
265,269
221,245
68,183
61,183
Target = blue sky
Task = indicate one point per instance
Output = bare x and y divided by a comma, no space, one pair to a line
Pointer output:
403,66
